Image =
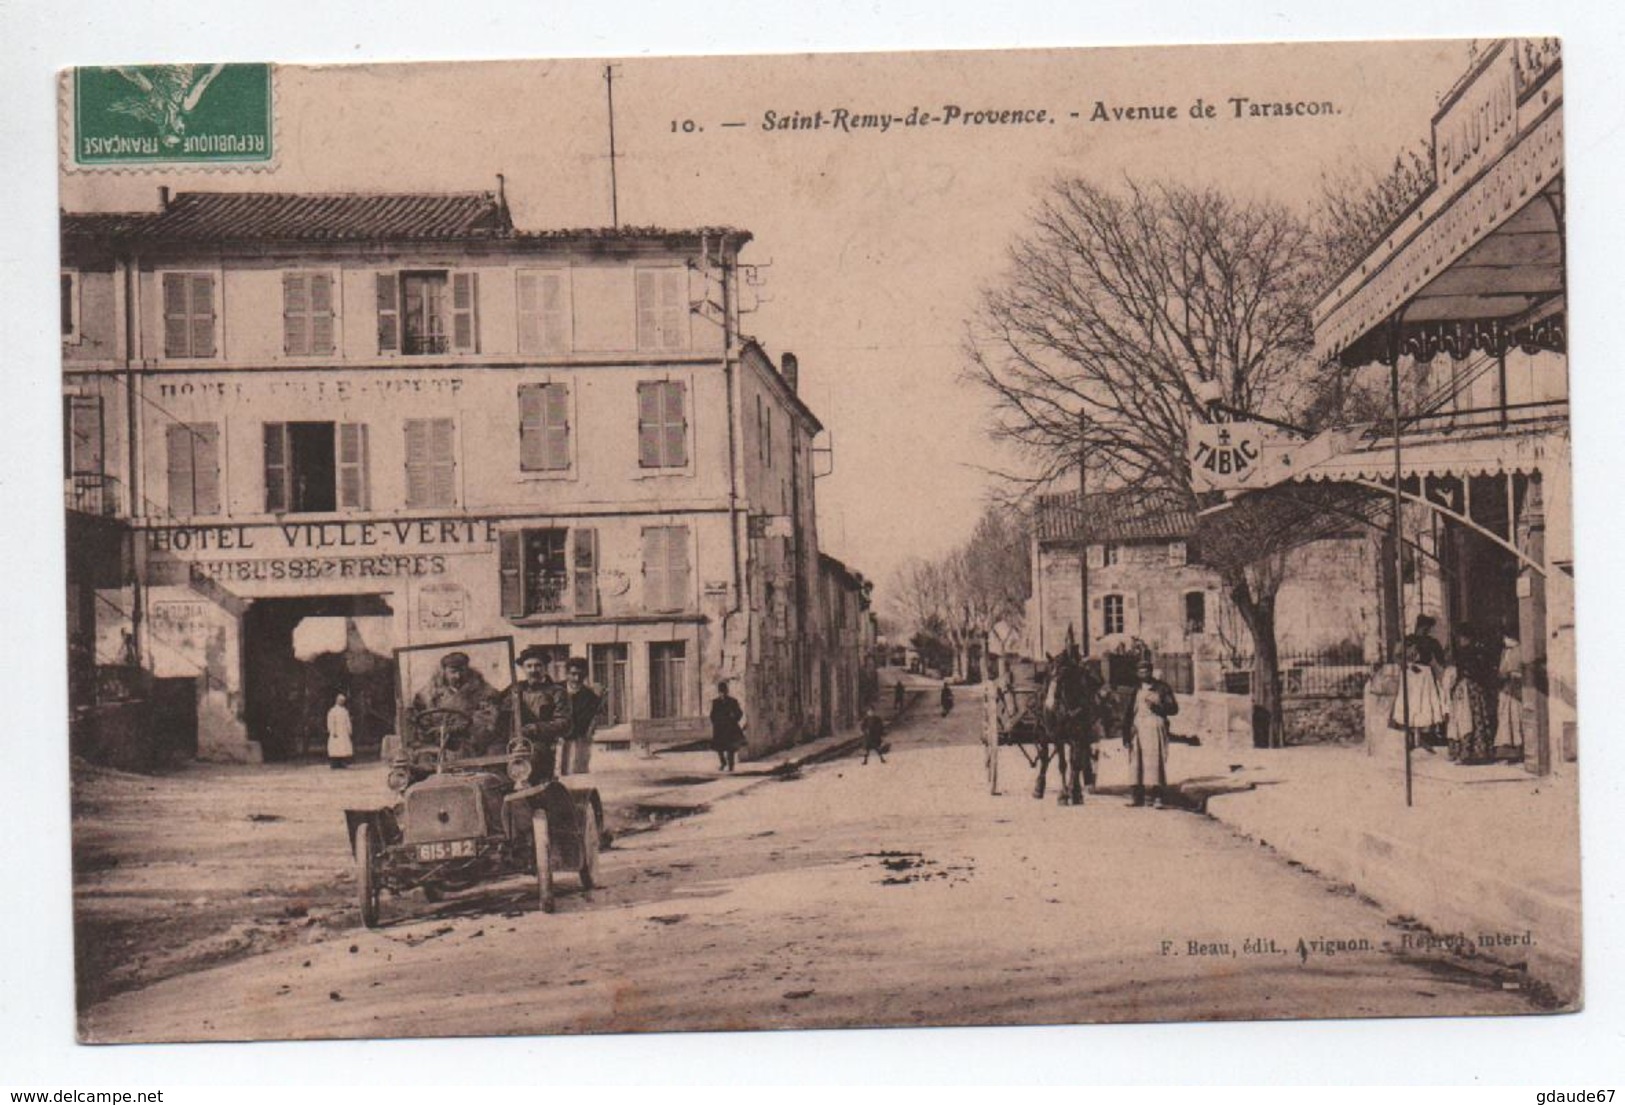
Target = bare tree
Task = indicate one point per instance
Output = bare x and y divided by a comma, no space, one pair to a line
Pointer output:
1120,311
1357,207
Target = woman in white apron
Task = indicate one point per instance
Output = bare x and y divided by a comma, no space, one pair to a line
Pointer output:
340,745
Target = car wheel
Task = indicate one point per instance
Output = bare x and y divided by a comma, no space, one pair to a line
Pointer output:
366,857
543,840
589,849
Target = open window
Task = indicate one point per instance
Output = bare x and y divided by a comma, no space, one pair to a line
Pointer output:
316,467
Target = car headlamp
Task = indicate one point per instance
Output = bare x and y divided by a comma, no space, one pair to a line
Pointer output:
399,777
519,770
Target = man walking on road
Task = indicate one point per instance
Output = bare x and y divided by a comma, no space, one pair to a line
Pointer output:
874,735
897,697
1147,737
947,699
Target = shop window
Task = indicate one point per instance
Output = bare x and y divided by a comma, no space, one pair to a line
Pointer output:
668,661
194,469
315,467
662,303
1112,614
666,572
427,313
431,462
308,321
549,571
1195,613
70,305
544,427
544,310
662,424
189,314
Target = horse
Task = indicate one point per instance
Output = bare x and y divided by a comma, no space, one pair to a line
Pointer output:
1068,724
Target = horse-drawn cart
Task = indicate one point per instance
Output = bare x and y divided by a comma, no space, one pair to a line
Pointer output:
1014,716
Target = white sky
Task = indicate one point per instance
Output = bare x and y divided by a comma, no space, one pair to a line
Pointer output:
878,242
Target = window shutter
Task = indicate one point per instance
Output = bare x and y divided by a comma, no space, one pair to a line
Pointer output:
648,296
177,331
181,500
352,465
1176,553
202,311
674,309
556,419
510,557
205,442
675,427
465,312
417,462
649,425
654,568
295,313
85,435
677,575
444,440
530,314
555,325
276,467
1131,614
321,313
1096,556
532,448
389,313
586,571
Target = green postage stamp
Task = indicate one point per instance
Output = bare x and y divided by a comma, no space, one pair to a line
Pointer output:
172,114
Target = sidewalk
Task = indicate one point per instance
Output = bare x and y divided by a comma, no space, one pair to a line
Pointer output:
1489,853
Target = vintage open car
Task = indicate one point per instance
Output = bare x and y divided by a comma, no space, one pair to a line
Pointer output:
465,817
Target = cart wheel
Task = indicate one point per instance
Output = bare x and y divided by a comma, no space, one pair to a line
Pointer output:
543,840
589,849
366,858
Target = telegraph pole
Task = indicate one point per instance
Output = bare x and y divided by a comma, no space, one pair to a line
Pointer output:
614,198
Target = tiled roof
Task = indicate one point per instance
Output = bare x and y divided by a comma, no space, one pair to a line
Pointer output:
1114,516
349,217
305,217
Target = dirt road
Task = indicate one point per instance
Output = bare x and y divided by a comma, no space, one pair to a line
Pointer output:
896,893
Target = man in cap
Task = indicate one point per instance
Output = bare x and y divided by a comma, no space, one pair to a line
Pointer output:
580,704
457,685
531,708
1147,735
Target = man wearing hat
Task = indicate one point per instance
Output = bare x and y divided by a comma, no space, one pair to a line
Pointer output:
533,704
579,703
459,686
1147,735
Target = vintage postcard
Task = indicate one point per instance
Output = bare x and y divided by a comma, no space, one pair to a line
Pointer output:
818,541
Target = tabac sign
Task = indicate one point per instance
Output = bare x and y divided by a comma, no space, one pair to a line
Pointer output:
1227,455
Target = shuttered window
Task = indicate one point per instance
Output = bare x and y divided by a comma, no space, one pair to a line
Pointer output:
544,311
1111,614
584,570
307,314
353,461
548,571
86,448
431,462
544,427
427,313
662,424
276,467
189,312
666,573
662,296
194,469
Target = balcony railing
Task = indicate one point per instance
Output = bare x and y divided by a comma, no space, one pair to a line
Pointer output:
91,493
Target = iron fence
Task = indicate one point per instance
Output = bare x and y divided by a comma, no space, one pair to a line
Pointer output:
1339,672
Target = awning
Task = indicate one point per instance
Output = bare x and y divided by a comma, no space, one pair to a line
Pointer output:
1486,454
1478,262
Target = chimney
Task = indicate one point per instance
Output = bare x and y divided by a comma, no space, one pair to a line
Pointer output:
163,197
502,199
790,370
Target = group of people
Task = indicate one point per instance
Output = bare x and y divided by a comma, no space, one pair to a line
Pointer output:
558,719
1469,701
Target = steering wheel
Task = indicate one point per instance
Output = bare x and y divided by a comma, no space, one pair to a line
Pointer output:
443,725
